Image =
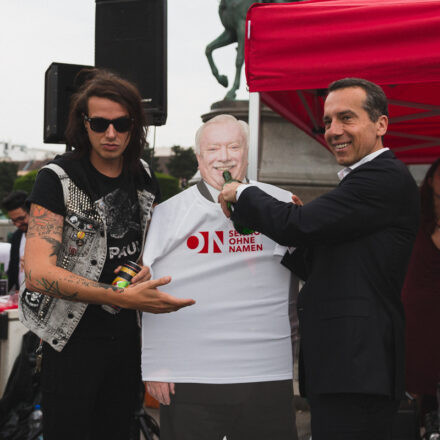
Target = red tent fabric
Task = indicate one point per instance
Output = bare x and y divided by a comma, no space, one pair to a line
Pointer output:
294,50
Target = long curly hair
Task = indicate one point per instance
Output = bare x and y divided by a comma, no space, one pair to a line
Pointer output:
105,84
427,199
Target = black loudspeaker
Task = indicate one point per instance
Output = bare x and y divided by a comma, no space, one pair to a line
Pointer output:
131,39
61,81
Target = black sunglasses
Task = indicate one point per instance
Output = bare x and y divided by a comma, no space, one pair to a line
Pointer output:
100,125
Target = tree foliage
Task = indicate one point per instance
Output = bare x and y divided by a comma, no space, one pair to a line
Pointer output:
183,163
153,161
169,185
8,173
26,182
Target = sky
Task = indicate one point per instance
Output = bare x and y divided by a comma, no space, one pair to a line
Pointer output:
35,33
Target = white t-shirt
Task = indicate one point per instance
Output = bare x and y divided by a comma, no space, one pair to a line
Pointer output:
238,331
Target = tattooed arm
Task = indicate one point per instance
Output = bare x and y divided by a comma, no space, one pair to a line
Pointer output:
43,243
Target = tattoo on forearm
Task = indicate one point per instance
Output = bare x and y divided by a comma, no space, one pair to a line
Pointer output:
51,288
56,245
91,284
43,222
109,286
104,286
48,226
48,287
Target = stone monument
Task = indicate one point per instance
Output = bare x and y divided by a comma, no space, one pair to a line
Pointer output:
288,157
233,17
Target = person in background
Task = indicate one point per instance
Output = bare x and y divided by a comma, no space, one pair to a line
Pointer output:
15,205
421,299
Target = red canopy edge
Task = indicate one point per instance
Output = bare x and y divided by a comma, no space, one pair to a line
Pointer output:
293,51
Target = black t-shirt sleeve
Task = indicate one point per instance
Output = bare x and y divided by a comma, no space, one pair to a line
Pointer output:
48,192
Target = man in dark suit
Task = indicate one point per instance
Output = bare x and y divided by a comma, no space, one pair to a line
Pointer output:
352,249
14,204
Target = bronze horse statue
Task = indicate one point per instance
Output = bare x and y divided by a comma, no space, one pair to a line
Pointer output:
233,17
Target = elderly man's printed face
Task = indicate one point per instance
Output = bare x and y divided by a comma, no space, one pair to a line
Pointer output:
222,147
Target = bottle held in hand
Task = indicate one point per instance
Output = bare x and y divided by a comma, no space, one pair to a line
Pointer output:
122,280
243,230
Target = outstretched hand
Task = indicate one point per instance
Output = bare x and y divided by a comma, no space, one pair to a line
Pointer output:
146,297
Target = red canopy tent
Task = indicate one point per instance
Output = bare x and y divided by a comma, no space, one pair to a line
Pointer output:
294,50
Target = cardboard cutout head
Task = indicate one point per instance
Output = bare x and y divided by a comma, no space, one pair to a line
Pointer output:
222,144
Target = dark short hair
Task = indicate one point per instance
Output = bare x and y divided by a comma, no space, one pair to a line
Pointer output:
105,84
376,103
427,199
15,200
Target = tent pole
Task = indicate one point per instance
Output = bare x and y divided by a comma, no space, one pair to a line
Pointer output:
254,134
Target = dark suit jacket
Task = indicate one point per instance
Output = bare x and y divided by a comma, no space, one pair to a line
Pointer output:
354,245
14,260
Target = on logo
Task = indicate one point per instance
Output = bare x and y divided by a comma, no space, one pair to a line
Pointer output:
204,242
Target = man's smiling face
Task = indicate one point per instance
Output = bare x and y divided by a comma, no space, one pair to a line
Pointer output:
349,131
222,147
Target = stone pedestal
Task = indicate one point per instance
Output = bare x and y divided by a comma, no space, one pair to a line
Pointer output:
288,157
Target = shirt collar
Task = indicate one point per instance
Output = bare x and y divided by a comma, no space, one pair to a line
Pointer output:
214,191
347,170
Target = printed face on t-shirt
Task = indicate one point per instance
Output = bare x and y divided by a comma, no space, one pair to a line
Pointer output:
222,148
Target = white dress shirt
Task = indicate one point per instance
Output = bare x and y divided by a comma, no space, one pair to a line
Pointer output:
347,170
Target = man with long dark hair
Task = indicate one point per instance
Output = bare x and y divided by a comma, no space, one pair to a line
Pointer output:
89,214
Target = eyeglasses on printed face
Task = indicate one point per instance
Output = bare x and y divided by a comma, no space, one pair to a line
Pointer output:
100,125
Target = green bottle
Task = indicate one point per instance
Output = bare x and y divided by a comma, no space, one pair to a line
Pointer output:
3,280
243,230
